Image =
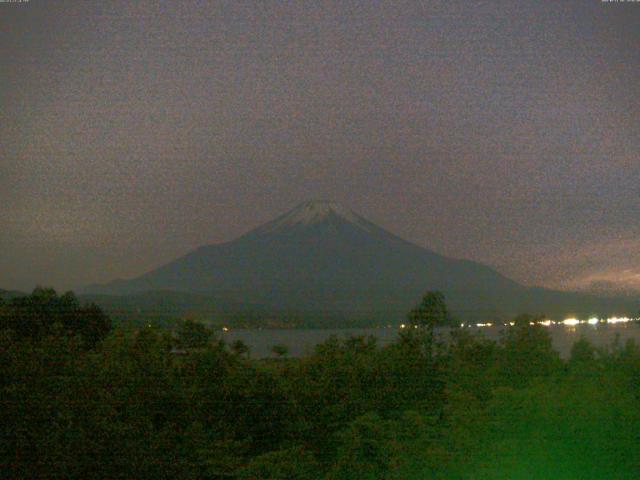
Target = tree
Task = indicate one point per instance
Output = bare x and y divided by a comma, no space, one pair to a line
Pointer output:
240,348
92,324
431,311
527,353
45,313
583,354
364,450
290,464
192,334
280,350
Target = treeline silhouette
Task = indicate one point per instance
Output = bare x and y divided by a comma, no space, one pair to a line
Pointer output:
80,400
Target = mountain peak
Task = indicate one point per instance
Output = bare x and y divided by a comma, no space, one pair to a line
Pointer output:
312,212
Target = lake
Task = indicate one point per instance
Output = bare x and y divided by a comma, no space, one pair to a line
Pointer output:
303,341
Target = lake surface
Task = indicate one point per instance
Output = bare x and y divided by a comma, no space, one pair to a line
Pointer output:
301,342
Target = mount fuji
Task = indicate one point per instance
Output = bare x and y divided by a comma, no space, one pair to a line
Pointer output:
326,260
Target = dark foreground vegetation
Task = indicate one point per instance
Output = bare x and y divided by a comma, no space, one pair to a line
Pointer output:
80,400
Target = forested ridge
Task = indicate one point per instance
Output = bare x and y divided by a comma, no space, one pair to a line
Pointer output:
81,399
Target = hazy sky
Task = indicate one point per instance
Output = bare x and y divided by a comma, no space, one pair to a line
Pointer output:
501,131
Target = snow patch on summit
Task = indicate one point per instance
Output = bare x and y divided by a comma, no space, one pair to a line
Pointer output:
313,212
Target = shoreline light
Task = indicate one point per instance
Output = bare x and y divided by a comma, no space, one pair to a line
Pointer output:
570,321
618,320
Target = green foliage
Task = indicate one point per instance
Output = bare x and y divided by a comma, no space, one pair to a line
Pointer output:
579,428
527,353
363,450
192,334
240,348
288,464
583,354
473,367
45,313
130,407
280,350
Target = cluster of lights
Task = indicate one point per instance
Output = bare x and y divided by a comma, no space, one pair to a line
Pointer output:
596,321
462,325
569,322
619,320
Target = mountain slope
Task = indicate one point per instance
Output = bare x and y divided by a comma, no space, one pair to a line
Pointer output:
320,257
